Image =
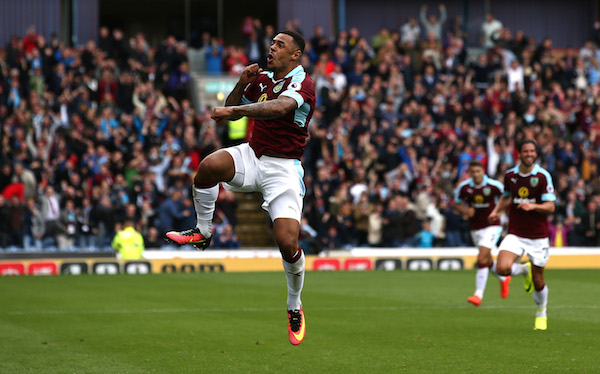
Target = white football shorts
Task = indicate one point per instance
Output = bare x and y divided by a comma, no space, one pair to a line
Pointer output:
278,179
538,250
487,236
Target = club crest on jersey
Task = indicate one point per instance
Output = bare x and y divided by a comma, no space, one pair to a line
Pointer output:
534,181
523,192
278,88
487,191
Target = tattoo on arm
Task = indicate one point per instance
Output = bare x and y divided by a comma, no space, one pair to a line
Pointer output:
267,109
235,97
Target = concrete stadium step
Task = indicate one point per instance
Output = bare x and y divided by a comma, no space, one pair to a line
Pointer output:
253,228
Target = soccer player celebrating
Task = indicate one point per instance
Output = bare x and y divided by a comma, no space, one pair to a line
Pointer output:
282,101
476,197
529,192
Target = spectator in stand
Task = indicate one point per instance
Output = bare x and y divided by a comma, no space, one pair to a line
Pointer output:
171,211
67,227
34,227
4,222
591,224
558,231
430,22
425,238
410,31
318,41
490,31
51,212
254,48
214,54
153,240
227,239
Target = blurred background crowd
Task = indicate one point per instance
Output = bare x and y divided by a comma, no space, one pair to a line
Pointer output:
96,135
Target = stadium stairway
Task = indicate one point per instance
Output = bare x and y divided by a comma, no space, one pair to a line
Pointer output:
253,228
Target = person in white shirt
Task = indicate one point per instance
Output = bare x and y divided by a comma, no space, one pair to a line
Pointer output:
410,31
490,30
514,75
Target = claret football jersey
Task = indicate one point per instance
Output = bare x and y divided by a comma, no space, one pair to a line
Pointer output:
481,197
286,135
535,187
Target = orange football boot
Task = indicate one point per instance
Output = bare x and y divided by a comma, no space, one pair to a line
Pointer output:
296,326
475,300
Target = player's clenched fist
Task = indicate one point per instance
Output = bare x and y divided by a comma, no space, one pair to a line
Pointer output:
250,73
222,113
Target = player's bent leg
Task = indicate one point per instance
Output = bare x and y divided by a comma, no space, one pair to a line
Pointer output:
505,261
215,168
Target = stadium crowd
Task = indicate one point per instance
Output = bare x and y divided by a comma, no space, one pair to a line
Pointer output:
96,135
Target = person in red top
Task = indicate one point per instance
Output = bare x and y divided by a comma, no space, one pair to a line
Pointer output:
529,197
476,197
281,102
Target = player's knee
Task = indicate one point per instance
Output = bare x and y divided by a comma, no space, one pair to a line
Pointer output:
483,260
503,269
214,169
288,246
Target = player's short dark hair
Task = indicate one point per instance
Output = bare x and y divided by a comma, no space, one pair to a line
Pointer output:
527,141
298,39
474,163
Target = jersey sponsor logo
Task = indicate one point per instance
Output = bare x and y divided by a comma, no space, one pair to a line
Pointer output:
520,200
262,98
294,86
481,205
278,88
262,87
523,192
534,181
478,199
487,191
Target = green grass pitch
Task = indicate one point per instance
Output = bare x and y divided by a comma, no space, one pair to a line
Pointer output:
357,322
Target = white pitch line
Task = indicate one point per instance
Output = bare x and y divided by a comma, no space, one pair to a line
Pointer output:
312,309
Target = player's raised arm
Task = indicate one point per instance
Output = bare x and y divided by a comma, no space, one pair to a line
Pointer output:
248,76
